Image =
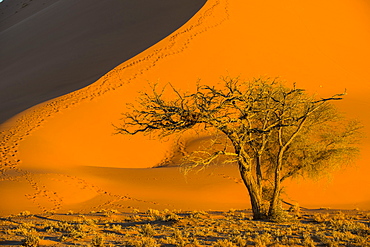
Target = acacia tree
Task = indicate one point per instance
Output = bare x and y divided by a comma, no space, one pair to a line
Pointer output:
275,132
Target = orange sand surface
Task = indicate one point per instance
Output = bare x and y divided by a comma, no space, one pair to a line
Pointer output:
62,155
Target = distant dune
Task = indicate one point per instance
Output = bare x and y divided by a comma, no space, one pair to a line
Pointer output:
66,144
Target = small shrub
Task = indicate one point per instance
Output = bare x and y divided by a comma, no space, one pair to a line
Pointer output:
134,218
116,228
307,240
65,227
168,217
231,211
295,209
198,214
282,216
263,239
147,230
31,240
24,229
98,241
152,212
50,229
25,214
321,217
50,212
109,213
76,234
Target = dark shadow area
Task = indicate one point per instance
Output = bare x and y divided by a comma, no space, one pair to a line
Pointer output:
50,49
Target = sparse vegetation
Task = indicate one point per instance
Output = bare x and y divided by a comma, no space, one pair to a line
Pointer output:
195,228
31,240
271,131
98,241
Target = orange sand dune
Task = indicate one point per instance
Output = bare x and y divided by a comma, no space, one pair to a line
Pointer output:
66,144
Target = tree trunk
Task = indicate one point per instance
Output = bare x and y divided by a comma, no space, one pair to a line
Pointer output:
275,203
275,200
254,193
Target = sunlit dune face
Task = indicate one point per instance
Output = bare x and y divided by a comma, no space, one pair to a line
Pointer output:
322,46
92,141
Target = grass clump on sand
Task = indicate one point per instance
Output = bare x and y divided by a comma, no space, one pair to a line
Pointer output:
31,240
194,228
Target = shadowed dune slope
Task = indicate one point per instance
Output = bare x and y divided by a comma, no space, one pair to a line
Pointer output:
66,144
50,48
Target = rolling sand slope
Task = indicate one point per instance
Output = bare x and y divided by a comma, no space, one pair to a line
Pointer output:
66,144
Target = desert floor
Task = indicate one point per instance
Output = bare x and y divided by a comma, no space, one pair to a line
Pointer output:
320,227
61,154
